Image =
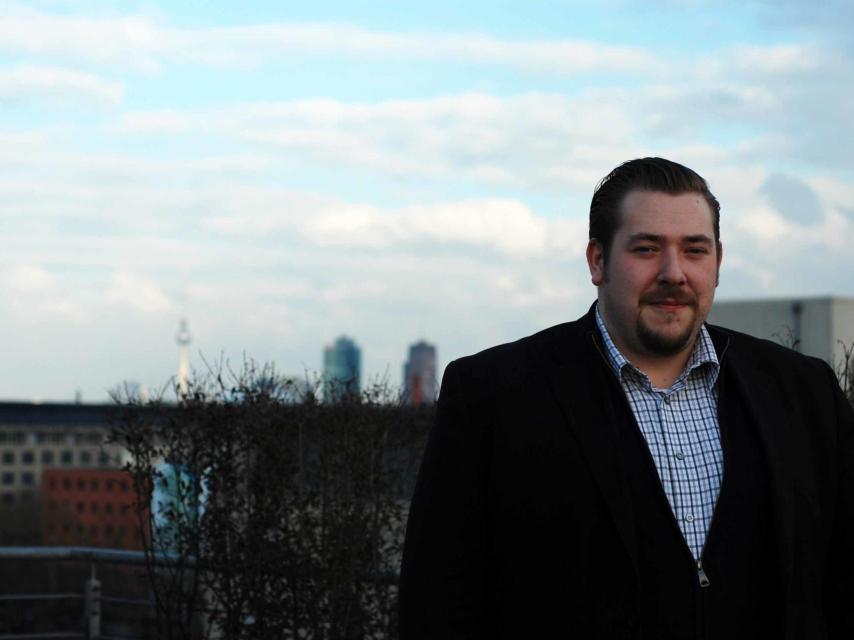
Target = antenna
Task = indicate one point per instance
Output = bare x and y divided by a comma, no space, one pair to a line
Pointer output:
183,340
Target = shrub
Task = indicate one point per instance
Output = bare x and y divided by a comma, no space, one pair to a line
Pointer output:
284,520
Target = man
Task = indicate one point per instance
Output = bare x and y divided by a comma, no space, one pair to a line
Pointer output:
636,473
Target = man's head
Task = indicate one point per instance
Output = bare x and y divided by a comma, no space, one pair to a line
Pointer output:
643,174
654,253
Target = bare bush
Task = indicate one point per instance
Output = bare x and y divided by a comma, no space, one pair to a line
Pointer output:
285,519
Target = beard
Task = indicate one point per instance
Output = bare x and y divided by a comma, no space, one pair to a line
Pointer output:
662,343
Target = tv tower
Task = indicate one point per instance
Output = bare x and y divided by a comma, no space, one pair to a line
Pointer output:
183,340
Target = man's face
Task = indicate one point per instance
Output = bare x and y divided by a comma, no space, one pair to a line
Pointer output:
659,281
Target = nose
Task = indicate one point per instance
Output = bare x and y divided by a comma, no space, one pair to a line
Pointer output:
670,268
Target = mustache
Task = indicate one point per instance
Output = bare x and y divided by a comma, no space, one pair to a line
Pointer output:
670,295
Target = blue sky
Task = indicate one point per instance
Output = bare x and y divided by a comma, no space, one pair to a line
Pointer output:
282,173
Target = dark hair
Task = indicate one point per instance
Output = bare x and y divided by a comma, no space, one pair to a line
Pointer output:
643,174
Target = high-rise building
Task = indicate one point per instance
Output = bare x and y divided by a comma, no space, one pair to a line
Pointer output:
342,369
419,374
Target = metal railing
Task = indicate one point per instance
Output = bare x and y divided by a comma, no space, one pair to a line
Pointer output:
92,597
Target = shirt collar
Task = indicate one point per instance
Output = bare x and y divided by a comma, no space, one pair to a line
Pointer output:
703,353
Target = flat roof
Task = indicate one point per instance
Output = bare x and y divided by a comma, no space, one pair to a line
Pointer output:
55,414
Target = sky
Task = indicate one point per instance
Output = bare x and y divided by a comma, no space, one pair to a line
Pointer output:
283,173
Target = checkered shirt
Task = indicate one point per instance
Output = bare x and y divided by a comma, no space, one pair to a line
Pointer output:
680,426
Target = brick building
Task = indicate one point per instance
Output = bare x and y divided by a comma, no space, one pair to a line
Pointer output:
91,507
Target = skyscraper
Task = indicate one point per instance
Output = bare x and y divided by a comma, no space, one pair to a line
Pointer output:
419,374
342,369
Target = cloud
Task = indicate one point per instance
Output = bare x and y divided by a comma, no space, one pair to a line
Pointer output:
527,139
34,294
56,87
501,225
793,198
138,292
146,44
122,41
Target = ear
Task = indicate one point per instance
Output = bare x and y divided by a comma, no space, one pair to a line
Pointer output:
720,257
596,261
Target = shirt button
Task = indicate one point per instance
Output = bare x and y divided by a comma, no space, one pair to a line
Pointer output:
689,518
666,399
680,455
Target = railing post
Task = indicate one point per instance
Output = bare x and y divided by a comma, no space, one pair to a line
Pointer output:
93,606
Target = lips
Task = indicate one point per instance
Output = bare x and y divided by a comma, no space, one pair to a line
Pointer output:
669,306
669,303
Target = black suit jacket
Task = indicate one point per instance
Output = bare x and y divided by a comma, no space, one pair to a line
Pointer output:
520,525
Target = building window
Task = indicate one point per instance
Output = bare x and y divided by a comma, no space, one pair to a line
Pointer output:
93,507
95,484
8,478
108,508
51,483
67,457
110,484
28,457
85,457
124,486
81,507
81,484
47,457
8,457
104,459
66,483
28,479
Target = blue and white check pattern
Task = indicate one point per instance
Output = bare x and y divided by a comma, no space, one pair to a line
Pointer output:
680,425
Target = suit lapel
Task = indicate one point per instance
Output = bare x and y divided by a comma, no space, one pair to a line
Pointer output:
578,380
761,395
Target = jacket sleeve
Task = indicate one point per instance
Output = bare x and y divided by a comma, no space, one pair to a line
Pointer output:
840,586
443,573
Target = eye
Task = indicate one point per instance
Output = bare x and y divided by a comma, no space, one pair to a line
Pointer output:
697,250
643,249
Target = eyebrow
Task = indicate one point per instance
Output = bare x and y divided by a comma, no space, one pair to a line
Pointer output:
700,238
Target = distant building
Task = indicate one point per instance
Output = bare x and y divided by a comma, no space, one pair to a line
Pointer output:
38,437
342,369
178,500
92,507
419,374
818,327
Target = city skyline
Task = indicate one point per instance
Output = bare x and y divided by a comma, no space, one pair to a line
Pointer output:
278,173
